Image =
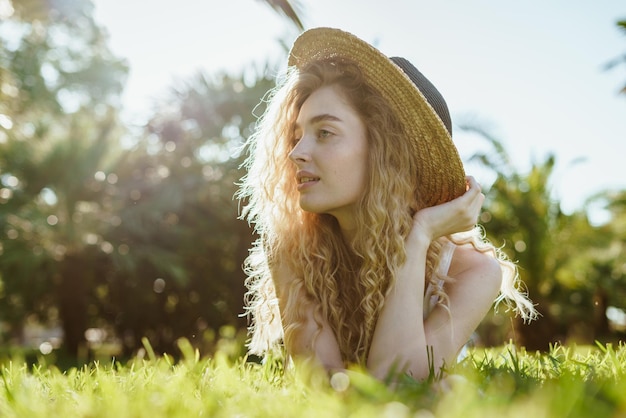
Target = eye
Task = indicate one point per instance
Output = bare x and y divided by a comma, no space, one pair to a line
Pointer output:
323,133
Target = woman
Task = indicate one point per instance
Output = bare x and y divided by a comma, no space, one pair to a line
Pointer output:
368,251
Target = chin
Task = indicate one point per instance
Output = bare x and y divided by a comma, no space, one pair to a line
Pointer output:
312,208
309,209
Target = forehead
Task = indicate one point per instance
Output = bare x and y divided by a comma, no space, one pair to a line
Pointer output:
327,100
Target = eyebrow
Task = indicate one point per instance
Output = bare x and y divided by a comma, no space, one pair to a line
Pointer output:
320,118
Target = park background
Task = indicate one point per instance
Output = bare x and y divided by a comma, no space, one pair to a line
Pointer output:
120,134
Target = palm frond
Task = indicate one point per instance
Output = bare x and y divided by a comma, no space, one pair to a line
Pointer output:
290,8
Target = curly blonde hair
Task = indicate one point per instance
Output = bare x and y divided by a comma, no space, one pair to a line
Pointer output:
346,282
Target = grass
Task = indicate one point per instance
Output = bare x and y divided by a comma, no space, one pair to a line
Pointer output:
506,381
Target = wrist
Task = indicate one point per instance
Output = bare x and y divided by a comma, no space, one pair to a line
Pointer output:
418,236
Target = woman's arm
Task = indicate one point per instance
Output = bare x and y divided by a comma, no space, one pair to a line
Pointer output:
401,338
477,278
306,342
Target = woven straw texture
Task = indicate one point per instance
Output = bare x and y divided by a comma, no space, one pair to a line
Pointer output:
441,175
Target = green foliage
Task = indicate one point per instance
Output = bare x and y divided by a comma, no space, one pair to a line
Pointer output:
567,381
60,89
562,258
139,241
177,219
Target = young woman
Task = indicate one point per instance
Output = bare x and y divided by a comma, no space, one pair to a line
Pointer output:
368,251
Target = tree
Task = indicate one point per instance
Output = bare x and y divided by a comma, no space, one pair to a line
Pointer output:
59,98
553,249
609,254
179,271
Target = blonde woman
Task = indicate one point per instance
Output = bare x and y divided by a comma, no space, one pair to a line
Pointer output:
368,251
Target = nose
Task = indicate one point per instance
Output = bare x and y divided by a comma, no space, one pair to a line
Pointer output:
300,152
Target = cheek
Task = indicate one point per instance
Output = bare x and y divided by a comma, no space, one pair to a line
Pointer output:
360,172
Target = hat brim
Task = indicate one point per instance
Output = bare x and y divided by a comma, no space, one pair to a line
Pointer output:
441,175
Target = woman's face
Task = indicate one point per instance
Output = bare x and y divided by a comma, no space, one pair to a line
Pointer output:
330,153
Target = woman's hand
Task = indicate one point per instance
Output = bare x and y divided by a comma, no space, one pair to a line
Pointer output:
457,215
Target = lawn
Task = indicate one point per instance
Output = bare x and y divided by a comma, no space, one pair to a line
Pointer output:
568,381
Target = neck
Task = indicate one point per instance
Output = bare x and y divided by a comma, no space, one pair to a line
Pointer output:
347,228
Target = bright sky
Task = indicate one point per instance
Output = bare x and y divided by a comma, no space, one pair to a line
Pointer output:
530,71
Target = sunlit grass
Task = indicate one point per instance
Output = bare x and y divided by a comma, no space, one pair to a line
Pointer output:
505,381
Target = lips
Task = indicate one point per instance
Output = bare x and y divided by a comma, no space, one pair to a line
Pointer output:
303,177
307,179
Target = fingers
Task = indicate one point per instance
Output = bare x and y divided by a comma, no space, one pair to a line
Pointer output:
457,215
473,195
475,198
472,184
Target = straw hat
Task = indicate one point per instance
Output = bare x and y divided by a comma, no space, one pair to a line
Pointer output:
419,106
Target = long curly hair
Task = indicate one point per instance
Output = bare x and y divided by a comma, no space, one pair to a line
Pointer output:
345,282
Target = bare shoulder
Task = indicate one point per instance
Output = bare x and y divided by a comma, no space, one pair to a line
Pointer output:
469,262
